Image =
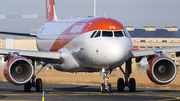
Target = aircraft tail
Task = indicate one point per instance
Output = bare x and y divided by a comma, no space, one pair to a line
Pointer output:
50,11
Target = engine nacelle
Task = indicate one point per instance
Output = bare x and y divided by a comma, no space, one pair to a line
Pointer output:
161,70
18,70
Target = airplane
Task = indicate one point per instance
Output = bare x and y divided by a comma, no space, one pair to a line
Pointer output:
97,44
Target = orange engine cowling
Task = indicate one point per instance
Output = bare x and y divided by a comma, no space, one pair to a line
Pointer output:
161,70
18,70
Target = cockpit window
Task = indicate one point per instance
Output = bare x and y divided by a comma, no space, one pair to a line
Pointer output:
118,34
98,34
126,34
93,34
107,34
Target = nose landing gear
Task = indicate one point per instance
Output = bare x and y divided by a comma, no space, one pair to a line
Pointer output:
105,85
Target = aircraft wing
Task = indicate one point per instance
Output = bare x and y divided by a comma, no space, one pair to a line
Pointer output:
18,33
50,57
147,52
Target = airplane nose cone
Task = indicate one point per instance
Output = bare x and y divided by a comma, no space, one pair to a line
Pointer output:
110,51
118,52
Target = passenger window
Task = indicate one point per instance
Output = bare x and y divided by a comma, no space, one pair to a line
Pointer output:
126,34
93,34
107,34
118,34
98,34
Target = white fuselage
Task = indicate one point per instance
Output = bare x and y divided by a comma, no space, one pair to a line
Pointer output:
80,51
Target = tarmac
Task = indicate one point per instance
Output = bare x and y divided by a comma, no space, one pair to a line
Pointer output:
69,92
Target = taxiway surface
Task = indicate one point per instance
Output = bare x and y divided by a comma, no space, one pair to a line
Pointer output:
67,92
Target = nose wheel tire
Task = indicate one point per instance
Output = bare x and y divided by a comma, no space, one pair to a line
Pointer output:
120,85
27,87
109,88
39,85
132,85
102,88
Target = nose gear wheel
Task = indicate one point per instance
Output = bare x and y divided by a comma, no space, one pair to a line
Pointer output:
105,86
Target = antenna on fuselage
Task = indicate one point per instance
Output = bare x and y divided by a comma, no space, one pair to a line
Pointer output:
105,14
71,16
94,8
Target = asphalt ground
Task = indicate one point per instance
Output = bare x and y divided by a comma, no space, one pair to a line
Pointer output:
67,92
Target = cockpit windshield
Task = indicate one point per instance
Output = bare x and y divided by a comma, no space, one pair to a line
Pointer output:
126,34
120,33
98,34
93,34
107,34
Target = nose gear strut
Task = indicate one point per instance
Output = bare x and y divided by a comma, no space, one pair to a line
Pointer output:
105,85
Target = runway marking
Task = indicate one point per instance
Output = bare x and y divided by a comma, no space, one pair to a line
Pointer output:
20,94
19,100
85,93
64,93
68,93
166,96
178,97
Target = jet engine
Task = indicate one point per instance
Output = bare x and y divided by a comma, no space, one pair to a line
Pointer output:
18,70
161,70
